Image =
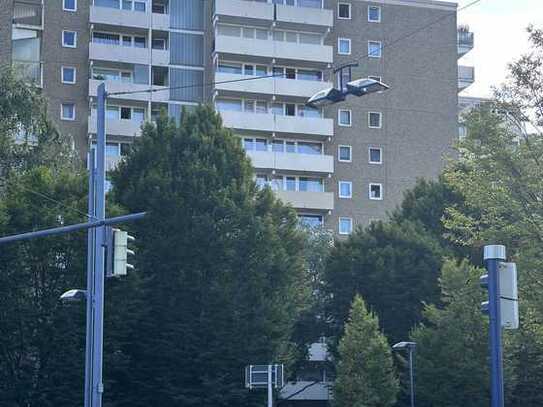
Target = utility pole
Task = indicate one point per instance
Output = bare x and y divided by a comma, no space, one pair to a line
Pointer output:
493,256
99,251
411,376
270,388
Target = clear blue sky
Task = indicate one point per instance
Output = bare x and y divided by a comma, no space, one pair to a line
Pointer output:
500,37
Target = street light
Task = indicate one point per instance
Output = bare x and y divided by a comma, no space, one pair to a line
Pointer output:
74,296
358,87
410,347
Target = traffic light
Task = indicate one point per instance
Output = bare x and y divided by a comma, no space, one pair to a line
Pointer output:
118,251
508,295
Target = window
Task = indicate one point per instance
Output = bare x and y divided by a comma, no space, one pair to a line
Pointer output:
290,109
261,180
374,120
344,153
311,184
139,6
126,113
311,221
345,189
375,155
158,43
344,46
376,192
229,67
228,105
374,14
139,42
106,38
306,147
344,117
290,183
69,39
374,49
69,5
308,75
67,111
344,11
251,144
67,74
345,226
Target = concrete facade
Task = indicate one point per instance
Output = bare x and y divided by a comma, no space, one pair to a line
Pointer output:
295,150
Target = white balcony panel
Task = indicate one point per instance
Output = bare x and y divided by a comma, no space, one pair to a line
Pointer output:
119,86
466,77
130,55
290,17
120,18
117,127
308,200
112,162
269,49
280,124
240,11
292,162
318,391
161,21
269,86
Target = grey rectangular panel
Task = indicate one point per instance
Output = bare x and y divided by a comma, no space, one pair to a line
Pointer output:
186,49
187,14
186,85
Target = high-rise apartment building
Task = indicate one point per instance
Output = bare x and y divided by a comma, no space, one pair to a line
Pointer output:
258,62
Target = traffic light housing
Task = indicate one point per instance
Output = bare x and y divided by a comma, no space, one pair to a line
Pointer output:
508,295
118,252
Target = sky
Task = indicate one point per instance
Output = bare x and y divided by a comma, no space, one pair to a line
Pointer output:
500,37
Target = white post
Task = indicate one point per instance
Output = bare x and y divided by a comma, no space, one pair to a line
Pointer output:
270,389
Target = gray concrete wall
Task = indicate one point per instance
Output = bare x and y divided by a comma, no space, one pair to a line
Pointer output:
6,10
419,111
55,56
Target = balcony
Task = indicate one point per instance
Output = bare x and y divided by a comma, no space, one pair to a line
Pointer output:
129,55
127,18
466,77
119,86
127,128
292,161
31,71
266,87
270,123
27,14
465,40
243,12
315,19
266,50
322,201
315,392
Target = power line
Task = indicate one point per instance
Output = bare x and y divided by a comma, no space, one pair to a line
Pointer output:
209,84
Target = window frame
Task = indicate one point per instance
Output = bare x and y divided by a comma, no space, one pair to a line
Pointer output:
350,196
339,47
62,74
350,11
380,156
62,112
72,10
64,45
339,153
375,184
375,7
370,54
380,120
339,111
339,225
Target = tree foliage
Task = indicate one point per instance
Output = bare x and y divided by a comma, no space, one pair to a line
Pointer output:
220,277
365,372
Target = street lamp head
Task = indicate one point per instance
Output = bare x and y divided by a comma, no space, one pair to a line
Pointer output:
404,345
74,296
326,97
364,86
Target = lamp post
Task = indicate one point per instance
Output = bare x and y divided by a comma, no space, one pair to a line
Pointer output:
358,87
410,347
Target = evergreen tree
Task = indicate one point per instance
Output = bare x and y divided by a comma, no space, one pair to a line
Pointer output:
394,266
219,270
42,185
365,372
452,345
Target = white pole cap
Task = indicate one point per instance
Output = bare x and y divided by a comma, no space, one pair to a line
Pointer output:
494,251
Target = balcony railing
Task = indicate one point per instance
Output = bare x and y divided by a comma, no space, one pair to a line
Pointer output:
465,38
28,14
31,71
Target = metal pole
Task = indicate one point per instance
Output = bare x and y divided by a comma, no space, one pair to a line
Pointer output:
270,391
98,300
90,285
412,377
493,255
